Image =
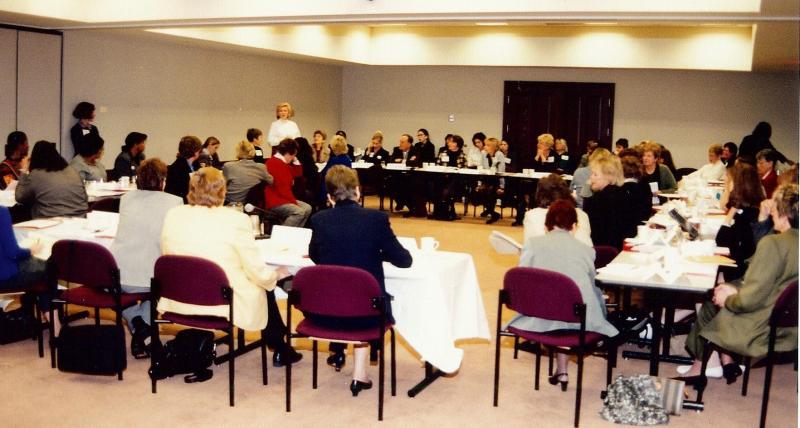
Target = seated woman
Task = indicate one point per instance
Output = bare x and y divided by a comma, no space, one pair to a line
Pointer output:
131,156
714,170
742,207
306,182
242,175
563,160
138,244
16,162
321,149
209,155
178,172
349,235
446,185
18,269
492,187
551,189
638,192
52,188
87,162
227,240
545,159
375,153
558,250
603,207
580,178
339,157
737,318
654,172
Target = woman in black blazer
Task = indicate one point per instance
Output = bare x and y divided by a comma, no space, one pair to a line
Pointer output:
84,112
607,202
743,204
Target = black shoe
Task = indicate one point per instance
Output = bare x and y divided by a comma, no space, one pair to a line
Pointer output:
485,213
336,360
141,332
407,214
698,382
139,349
357,386
731,372
493,217
289,356
557,379
398,207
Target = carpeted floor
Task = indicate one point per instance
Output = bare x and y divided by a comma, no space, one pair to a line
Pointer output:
36,395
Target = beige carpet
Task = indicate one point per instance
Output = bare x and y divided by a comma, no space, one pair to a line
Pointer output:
36,395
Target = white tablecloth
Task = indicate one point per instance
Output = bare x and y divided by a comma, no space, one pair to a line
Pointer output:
437,301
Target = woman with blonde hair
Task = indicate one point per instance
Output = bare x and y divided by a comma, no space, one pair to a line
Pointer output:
375,153
243,174
228,241
607,200
283,127
321,149
338,157
545,159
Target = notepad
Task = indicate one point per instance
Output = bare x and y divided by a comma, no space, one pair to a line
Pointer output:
504,244
40,223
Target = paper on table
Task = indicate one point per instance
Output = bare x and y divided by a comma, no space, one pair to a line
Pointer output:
296,239
715,259
408,243
504,244
40,223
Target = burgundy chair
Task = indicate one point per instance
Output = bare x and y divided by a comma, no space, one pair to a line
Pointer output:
604,254
342,292
38,289
199,282
784,315
551,296
93,267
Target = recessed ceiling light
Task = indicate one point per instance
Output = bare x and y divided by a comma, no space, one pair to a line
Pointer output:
492,24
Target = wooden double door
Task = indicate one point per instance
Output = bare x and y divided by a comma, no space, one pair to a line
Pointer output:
576,112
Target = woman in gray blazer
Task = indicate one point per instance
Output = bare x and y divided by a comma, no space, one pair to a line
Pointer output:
559,251
51,189
138,243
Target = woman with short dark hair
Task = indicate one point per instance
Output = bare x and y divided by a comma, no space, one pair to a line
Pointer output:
16,161
84,112
51,188
178,173
87,162
138,244
131,156
558,250
549,190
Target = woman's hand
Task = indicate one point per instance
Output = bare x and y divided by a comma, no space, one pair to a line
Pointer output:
722,292
765,209
731,214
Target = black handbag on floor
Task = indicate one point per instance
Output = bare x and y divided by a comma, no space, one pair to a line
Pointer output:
191,351
91,349
17,325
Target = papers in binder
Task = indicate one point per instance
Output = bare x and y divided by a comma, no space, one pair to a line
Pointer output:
504,244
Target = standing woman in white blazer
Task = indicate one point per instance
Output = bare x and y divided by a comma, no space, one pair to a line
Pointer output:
227,239
284,127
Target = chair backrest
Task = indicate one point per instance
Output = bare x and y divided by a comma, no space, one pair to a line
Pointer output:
683,172
337,291
542,294
784,314
255,195
190,280
83,262
604,254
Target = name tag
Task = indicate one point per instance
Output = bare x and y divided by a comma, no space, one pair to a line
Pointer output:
551,159
86,131
564,157
445,158
379,157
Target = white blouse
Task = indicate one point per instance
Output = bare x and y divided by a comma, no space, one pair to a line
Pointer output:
280,129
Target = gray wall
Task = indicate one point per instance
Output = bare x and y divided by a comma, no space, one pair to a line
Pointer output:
684,110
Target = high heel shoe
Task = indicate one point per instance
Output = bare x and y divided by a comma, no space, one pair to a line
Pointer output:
698,382
336,360
357,386
556,379
730,372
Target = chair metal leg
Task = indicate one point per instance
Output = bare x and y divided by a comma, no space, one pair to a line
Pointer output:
549,361
767,377
578,390
394,367
516,346
264,373
314,358
96,316
538,365
381,379
39,330
746,377
497,347
611,354
51,340
704,364
231,363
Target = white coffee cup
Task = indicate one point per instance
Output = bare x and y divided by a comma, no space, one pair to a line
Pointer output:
124,182
643,231
428,243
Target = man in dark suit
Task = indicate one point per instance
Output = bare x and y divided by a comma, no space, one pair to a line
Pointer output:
178,173
406,188
349,235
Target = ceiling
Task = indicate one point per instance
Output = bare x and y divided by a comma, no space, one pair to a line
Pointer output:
736,35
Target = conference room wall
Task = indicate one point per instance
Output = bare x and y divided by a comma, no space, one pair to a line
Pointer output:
8,81
684,110
169,89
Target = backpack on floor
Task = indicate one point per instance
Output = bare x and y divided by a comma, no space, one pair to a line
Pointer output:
191,351
17,325
91,349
